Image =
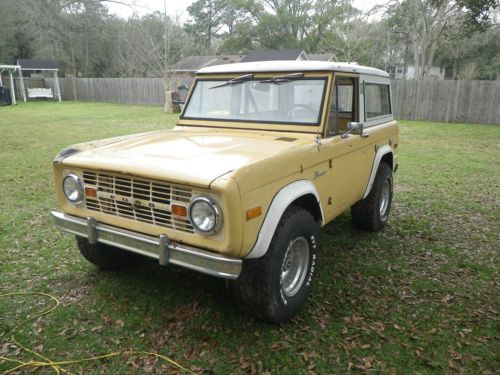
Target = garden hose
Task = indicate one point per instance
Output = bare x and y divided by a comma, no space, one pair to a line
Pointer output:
57,365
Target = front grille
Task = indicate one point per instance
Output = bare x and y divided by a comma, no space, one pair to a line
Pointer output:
137,198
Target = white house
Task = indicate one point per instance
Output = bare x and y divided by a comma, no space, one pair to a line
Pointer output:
400,72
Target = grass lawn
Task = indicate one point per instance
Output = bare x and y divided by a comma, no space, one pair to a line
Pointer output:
420,297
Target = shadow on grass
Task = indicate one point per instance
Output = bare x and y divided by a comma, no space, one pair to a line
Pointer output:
150,287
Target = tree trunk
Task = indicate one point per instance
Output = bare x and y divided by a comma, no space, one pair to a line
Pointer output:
73,61
405,65
430,59
416,59
455,53
87,70
169,105
209,31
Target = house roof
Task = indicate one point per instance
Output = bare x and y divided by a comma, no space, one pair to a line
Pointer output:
37,64
291,66
320,56
194,63
282,54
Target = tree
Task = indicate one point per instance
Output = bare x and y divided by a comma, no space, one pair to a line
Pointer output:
243,39
282,23
208,17
71,32
327,14
150,46
346,38
475,57
478,14
16,41
84,38
425,23
433,24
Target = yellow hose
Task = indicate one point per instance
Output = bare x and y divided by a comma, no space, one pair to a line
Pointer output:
57,365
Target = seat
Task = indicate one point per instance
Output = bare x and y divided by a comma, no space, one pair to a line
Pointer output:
40,93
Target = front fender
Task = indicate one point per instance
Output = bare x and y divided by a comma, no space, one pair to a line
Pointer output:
279,204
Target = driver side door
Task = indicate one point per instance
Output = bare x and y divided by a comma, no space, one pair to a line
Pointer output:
349,156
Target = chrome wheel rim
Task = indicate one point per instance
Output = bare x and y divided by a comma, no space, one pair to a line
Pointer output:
384,199
294,267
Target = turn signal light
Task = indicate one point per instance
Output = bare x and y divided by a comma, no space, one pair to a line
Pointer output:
254,212
179,210
90,192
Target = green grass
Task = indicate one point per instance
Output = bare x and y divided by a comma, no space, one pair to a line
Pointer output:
419,297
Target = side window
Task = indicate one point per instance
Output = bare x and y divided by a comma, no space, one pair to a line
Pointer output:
342,105
377,100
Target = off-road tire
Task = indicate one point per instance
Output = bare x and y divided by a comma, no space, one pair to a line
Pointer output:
366,214
106,257
258,290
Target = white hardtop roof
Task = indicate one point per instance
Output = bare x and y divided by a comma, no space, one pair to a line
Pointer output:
291,66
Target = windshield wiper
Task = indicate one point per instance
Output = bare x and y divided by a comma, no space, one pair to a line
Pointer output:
234,81
278,80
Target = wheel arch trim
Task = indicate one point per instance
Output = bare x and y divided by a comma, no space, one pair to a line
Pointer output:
281,201
381,152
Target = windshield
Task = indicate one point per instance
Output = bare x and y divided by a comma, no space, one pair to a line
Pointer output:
288,101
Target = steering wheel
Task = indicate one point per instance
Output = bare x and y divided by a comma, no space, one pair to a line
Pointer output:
296,106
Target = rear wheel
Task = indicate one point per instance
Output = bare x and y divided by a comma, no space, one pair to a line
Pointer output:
372,212
106,257
274,287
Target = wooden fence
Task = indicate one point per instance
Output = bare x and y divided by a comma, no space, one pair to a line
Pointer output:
449,101
433,100
149,91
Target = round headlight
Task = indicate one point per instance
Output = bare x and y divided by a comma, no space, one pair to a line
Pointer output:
204,215
73,188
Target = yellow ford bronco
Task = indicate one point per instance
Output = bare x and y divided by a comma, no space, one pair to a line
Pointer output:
262,156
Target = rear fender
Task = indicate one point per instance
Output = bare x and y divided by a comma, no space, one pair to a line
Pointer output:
381,152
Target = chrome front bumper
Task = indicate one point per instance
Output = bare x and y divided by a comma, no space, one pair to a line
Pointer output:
160,248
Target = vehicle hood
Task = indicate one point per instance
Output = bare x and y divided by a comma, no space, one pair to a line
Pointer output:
193,156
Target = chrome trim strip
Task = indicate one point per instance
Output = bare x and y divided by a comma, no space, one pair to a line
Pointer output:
64,154
160,248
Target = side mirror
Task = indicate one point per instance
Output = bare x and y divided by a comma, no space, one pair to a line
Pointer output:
355,127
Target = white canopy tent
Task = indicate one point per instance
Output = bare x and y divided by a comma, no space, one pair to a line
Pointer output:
12,70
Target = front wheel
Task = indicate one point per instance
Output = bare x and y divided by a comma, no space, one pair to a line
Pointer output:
274,287
106,257
372,212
